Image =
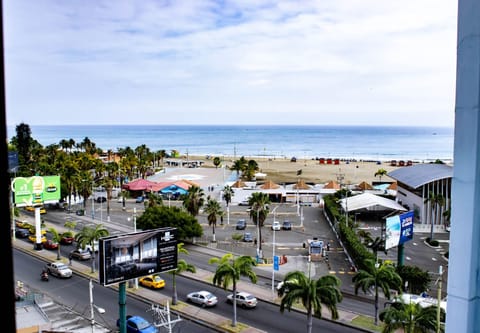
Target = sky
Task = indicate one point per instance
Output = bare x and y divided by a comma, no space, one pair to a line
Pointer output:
325,62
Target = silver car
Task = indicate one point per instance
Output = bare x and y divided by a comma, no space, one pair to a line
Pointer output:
203,298
58,269
244,300
80,254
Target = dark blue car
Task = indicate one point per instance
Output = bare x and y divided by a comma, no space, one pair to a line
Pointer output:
137,324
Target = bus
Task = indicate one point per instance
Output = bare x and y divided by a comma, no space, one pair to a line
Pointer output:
315,249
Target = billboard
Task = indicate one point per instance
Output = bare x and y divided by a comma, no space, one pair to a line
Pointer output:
399,229
36,190
129,256
12,161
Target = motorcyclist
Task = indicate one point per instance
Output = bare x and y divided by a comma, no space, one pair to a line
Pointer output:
44,275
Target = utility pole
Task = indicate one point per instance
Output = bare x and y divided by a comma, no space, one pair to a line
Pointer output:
439,296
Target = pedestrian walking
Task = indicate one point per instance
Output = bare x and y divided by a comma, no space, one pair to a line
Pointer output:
70,259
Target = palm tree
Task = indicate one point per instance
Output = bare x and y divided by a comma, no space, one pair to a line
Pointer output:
312,293
229,271
217,161
380,173
56,237
377,276
411,318
213,210
239,166
228,194
259,202
88,236
182,266
193,200
436,201
250,169
439,202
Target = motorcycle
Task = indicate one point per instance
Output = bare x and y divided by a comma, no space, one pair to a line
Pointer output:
44,276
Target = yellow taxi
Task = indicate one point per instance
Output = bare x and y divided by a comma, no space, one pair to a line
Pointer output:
32,209
22,224
32,230
152,281
33,239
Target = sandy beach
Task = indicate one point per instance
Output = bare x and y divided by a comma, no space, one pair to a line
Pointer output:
312,171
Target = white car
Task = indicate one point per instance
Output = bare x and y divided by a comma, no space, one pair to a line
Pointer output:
276,226
203,298
58,269
244,300
88,247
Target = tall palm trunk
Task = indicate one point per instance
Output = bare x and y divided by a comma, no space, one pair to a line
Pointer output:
309,320
234,320
376,305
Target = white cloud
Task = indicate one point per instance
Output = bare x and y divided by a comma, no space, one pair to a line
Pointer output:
202,61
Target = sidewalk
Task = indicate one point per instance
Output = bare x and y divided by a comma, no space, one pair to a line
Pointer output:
216,322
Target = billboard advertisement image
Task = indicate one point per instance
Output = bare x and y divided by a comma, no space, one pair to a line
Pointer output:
399,229
36,190
129,256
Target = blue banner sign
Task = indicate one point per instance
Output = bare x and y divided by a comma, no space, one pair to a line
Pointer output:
276,263
399,229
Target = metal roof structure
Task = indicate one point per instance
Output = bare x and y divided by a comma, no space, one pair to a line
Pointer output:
421,174
370,202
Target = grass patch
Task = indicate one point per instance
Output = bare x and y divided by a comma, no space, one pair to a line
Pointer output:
367,322
237,329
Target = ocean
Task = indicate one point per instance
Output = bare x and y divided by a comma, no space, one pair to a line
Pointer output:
373,143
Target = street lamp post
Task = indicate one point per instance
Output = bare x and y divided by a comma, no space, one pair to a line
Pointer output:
135,230
273,251
439,296
93,306
93,203
259,254
228,215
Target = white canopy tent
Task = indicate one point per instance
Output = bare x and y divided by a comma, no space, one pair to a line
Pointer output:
371,202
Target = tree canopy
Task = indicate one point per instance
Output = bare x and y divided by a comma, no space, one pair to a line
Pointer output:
161,216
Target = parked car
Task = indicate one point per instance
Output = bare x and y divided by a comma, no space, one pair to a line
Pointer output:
88,247
33,239
58,269
137,324
203,298
287,225
276,226
80,254
67,238
50,245
32,209
241,224
244,203
101,199
247,237
244,300
152,281
22,233
140,199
